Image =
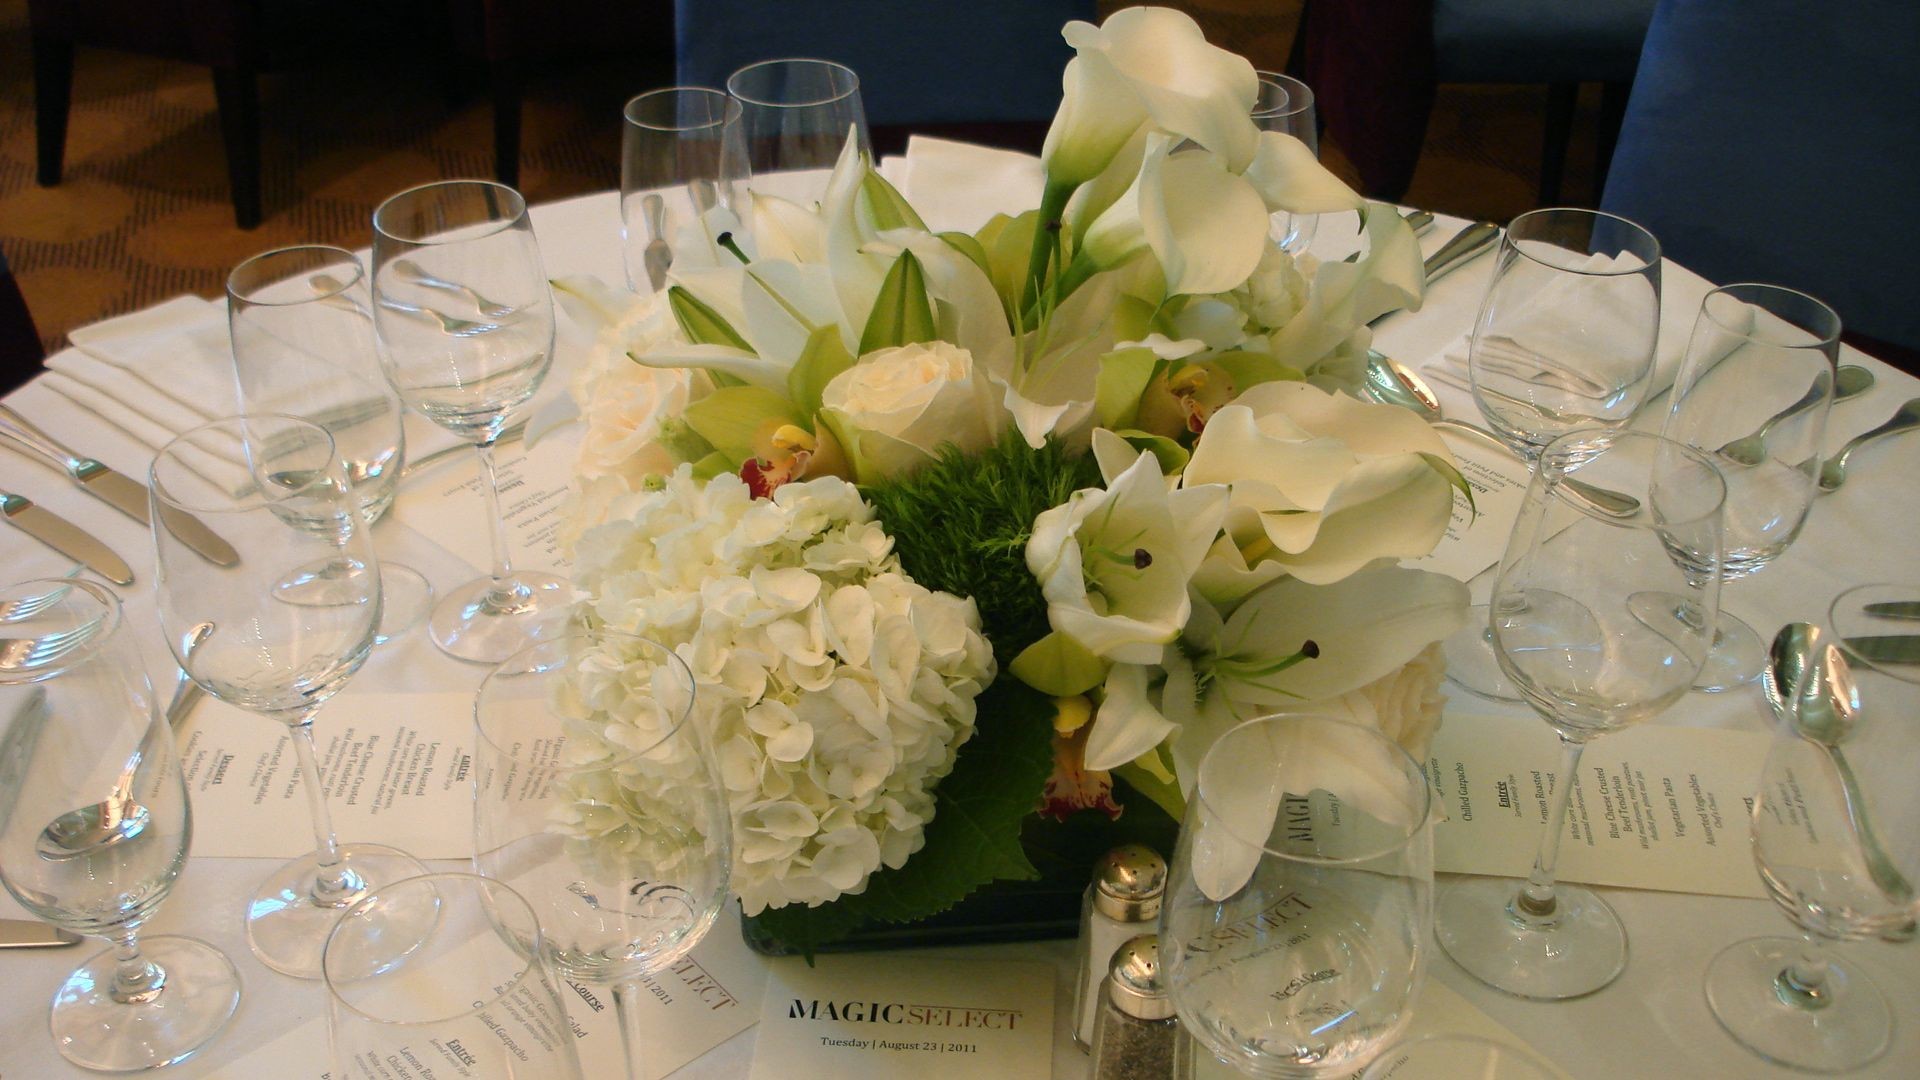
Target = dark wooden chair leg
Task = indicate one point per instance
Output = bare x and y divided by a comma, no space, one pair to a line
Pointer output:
1613,111
503,79
237,93
52,93
1561,98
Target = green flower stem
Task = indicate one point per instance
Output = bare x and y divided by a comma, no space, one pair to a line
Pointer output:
1046,239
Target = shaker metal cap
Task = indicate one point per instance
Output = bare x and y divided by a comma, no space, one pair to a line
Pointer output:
1134,980
1129,882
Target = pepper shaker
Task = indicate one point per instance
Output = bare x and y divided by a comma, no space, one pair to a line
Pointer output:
1136,1035
1122,901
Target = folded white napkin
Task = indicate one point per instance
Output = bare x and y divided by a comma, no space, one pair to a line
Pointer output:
1536,344
958,187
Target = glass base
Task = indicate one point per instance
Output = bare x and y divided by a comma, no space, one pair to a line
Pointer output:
405,597
1471,663
1852,1027
287,928
94,1031
470,624
1735,660
1583,949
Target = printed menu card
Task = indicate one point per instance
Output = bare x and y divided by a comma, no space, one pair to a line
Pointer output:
1478,533
904,1015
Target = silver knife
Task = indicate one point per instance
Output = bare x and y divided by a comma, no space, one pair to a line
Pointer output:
29,934
125,495
1886,648
64,537
1895,609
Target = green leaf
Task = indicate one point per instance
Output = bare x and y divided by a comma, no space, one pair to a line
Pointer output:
1059,666
885,206
823,358
702,324
1123,376
732,416
1459,483
713,465
1134,318
974,837
971,248
1165,795
1172,456
1007,242
901,313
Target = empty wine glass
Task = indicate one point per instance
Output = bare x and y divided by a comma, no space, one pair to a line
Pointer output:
597,797
1564,339
796,117
446,968
1836,835
302,330
252,637
1568,635
94,829
1300,901
465,323
1754,391
1431,1057
681,154
1285,104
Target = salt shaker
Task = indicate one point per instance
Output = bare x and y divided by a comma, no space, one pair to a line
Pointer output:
1136,1035
1122,901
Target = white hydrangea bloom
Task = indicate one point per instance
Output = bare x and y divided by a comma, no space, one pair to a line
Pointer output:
835,690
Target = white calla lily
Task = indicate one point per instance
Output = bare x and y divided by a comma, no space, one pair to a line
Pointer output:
1289,176
1127,724
1345,296
1205,225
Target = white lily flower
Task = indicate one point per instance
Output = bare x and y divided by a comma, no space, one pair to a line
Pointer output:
783,229
1205,225
1127,724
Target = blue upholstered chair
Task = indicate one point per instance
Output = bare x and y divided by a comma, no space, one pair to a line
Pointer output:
919,64
1779,141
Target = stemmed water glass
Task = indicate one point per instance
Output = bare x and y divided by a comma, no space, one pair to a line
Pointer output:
681,154
465,323
1564,339
1836,835
278,633
1285,104
301,322
796,117
1755,389
94,829
597,797
1300,900
1569,636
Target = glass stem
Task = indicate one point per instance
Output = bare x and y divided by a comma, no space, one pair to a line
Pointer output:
626,1009
1803,983
136,979
502,594
334,884
1536,904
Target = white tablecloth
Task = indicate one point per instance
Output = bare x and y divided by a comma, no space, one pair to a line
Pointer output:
1652,1022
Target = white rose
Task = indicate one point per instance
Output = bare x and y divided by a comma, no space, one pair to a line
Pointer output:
1405,703
895,407
1324,484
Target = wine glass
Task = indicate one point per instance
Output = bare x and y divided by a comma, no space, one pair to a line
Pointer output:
1285,104
1564,339
250,636
681,153
1754,391
94,829
1569,636
1300,900
796,117
1458,1055
1836,836
469,364
445,966
302,330
597,797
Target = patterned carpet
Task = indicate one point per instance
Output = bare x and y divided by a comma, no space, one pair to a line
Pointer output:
143,210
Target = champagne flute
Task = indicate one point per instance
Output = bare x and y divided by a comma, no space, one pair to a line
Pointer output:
277,490
1300,901
1564,339
597,797
1836,836
796,117
681,154
445,967
470,365
94,829
1569,636
1285,104
1755,390
302,331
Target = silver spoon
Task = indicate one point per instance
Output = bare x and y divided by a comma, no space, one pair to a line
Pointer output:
1834,472
1807,681
1391,382
1851,380
413,273
117,818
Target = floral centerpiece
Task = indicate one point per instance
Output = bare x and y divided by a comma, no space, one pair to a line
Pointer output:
963,531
